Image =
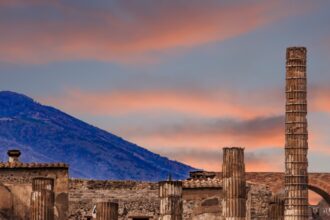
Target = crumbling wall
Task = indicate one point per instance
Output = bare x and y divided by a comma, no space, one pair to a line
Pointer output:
257,203
202,204
136,199
19,184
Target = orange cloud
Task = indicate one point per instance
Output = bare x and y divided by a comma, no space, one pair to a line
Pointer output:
75,32
195,103
274,136
221,103
210,120
211,160
260,166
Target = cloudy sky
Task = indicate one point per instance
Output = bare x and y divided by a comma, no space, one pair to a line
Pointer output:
182,78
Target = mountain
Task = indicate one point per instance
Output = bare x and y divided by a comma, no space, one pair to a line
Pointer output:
45,134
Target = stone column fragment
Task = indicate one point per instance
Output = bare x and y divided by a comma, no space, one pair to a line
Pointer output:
234,184
107,211
296,136
276,208
42,199
171,205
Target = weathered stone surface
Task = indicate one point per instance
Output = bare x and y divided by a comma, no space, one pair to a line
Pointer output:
276,208
42,199
141,199
197,205
234,184
211,202
134,198
296,136
170,194
42,205
258,197
18,181
106,211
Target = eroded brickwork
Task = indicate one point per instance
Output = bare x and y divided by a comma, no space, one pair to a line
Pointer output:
201,200
296,136
17,180
134,198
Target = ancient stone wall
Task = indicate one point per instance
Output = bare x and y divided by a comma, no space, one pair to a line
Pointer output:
202,203
257,204
135,199
140,199
18,183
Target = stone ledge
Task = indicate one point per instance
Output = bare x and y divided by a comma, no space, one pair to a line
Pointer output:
19,165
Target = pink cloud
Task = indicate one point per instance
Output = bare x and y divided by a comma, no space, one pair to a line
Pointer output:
79,33
213,120
211,160
214,103
252,166
207,136
195,103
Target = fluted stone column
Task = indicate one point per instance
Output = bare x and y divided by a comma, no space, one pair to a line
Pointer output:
296,136
276,208
107,211
42,199
234,184
170,193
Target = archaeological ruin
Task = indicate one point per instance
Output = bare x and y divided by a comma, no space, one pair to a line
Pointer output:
44,191
233,184
296,136
19,183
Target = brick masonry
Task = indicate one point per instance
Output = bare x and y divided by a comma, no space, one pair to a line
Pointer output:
140,199
16,189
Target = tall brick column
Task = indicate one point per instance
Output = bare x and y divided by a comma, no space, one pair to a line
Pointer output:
107,211
234,184
296,136
170,193
42,199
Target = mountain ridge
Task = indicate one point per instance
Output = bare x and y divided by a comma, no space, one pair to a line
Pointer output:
46,134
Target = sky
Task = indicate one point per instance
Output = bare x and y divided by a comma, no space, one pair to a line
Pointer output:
182,78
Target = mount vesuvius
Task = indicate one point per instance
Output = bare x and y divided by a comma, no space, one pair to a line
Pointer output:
45,134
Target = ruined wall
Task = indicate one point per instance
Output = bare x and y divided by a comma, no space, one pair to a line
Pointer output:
134,198
257,204
200,204
138,199
18,182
